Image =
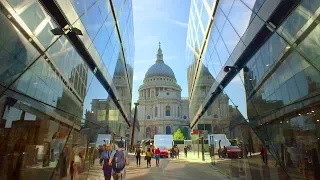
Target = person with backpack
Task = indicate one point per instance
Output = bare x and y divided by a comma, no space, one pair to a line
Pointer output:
138,156
119,160
105,156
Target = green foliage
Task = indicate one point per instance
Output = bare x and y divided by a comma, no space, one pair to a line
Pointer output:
178,135
185,132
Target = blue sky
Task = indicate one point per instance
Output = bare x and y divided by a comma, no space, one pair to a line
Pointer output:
165,21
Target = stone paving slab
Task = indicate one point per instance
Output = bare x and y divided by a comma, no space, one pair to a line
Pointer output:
169,169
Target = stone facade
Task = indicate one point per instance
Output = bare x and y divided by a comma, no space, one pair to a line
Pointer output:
161,109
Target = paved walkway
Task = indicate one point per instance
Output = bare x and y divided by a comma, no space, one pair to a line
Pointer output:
169,169
250,168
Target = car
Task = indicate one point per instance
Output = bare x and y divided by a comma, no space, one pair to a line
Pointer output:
234,152
164,152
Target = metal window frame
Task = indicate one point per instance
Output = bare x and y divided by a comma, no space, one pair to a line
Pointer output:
277,17
57,15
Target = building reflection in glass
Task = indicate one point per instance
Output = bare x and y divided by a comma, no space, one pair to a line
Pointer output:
273,100
48,129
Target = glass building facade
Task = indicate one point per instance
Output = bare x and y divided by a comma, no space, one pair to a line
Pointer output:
66,76
262,59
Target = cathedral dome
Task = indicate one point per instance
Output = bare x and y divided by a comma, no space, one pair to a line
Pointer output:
160,68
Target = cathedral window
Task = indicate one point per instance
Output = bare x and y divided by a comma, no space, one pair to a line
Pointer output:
178,111
148,132
148,117
184,117
168,130
156,111
167,110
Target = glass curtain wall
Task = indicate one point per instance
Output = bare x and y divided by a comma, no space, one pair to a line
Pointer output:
48,120
270,111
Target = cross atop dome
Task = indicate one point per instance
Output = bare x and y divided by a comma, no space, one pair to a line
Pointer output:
159,55
160,69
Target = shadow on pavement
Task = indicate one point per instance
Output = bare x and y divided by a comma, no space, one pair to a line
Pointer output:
173,169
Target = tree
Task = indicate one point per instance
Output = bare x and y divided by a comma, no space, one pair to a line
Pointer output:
178,135
185,132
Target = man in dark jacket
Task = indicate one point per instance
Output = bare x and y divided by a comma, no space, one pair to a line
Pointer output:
185,151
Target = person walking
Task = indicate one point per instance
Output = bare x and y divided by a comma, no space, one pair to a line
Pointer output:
157,156
185,151
95,155
119,160
220,152
72,170
264,155
148,157
177,151
224,152
171,153
138,156
105,156
100,150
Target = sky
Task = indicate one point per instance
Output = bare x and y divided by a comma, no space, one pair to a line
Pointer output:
164,21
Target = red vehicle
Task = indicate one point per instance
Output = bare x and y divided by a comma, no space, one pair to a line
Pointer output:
234,152
164,152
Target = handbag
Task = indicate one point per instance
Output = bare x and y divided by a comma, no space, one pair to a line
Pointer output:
145,158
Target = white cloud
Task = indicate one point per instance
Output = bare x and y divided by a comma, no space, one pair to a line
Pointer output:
179,23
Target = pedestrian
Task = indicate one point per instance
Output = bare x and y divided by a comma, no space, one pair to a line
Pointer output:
138,156
148,157
219,152
224,152
176,152
185,151
100,150
157,156
211,151
105,156
264,155
72,170
95,155
119,160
